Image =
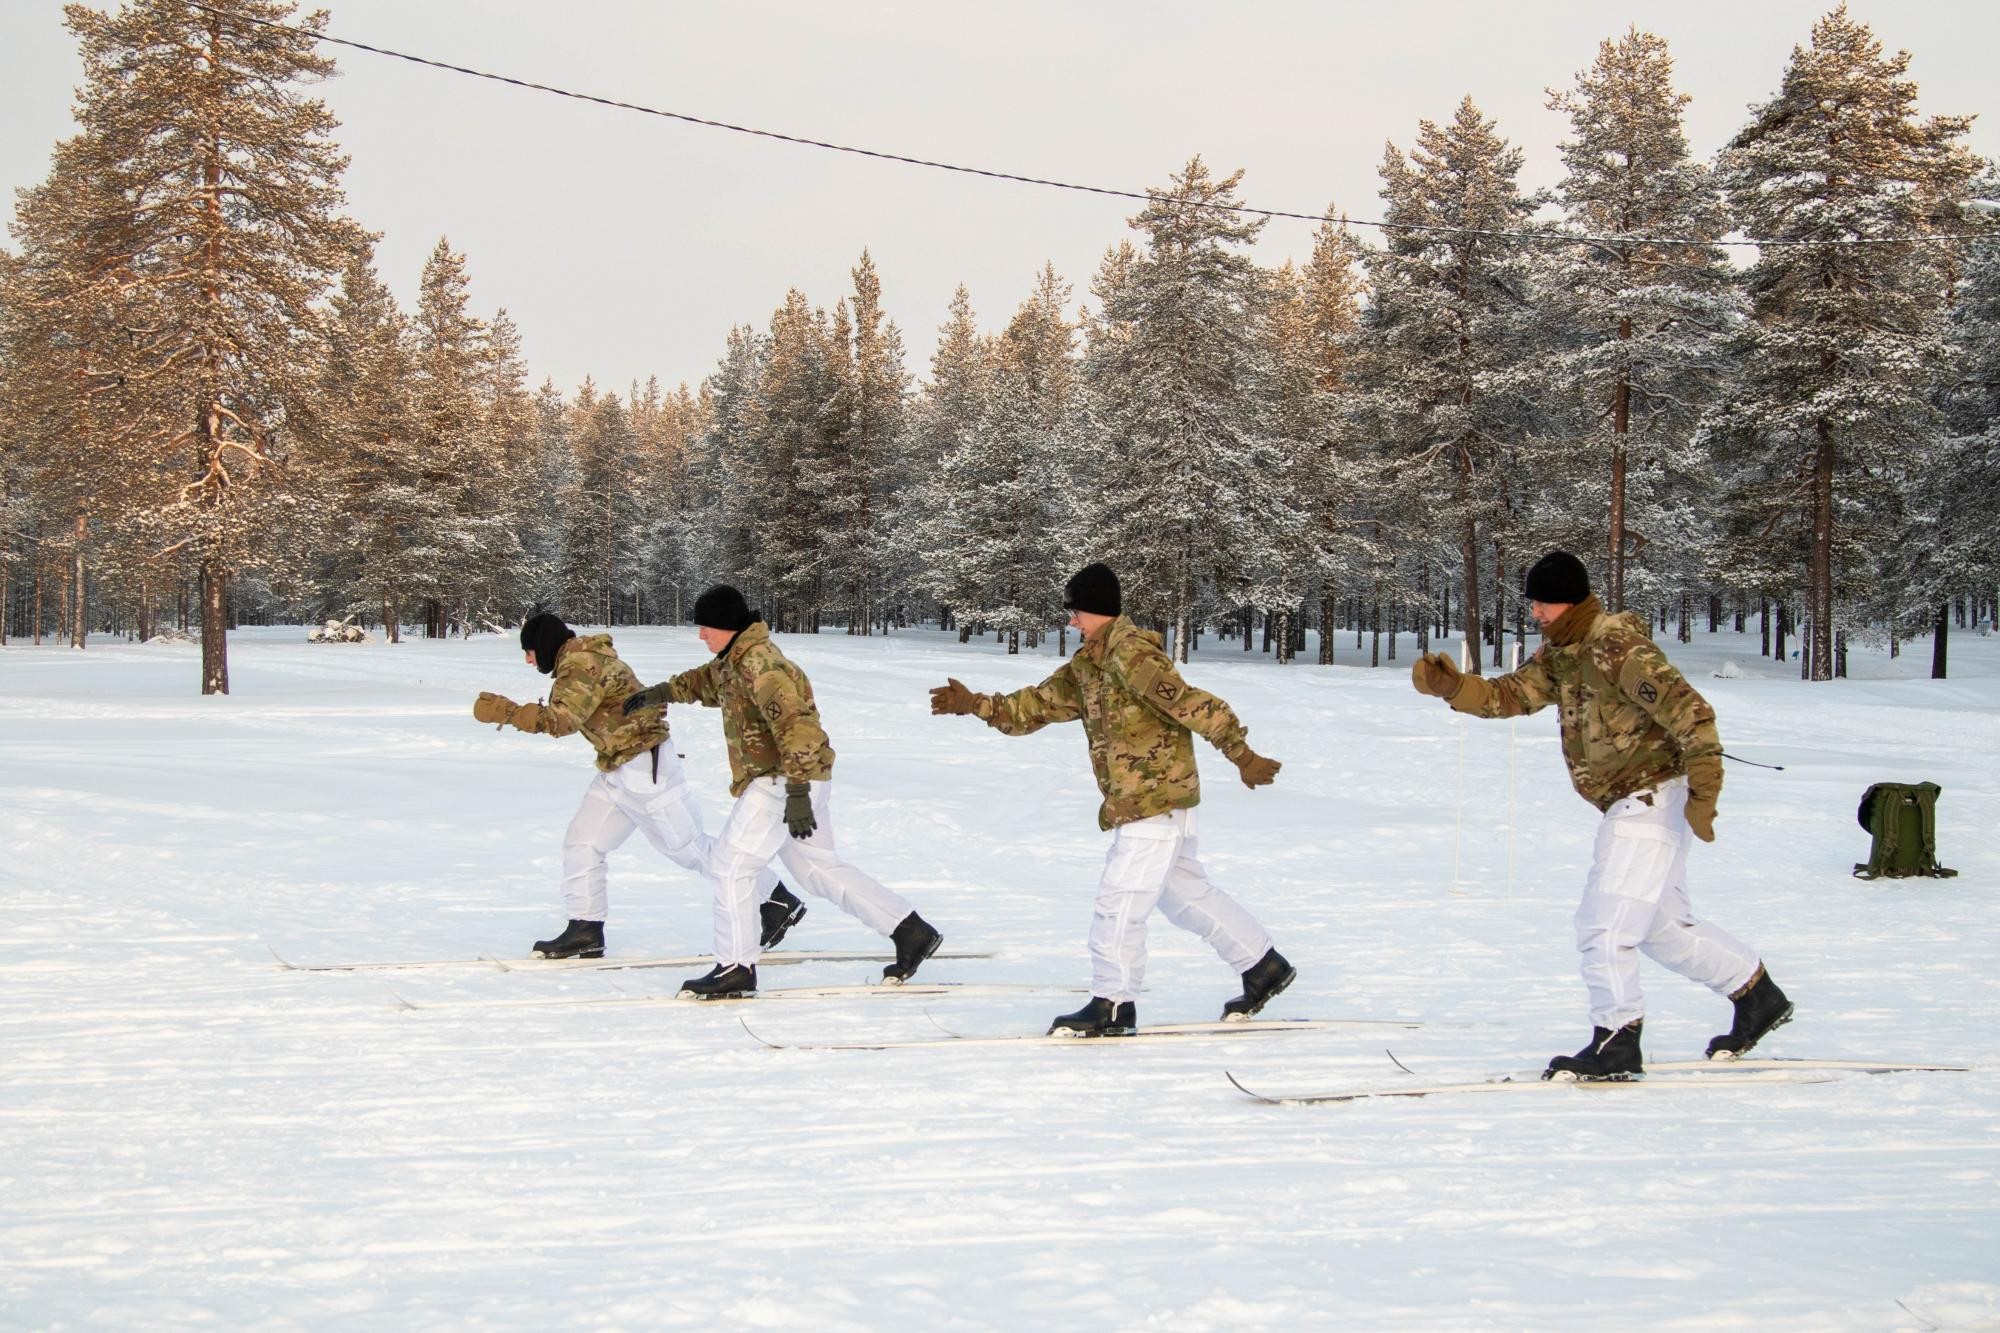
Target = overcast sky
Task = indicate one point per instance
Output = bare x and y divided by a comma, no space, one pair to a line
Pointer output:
625,245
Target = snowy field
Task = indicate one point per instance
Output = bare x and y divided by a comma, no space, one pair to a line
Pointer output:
195,1136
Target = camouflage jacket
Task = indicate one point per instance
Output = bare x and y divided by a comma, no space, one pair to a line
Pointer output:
588,695
1630,721
1138,715
768,715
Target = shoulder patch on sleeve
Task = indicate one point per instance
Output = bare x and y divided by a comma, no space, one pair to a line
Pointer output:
1647,692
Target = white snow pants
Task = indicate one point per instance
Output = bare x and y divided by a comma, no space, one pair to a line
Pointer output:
620,801
1152,863
1636,901
753,836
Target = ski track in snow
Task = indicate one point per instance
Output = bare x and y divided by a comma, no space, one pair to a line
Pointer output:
195,1136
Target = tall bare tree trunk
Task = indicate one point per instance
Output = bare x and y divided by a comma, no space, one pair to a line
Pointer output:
80,622
214,627
1938,641
1621,427
1469,599
1820,606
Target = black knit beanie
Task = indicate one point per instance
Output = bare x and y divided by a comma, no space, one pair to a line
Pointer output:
1557,577
1094,588
722,607
544,634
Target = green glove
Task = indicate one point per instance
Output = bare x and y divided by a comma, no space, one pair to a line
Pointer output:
799,821
653,696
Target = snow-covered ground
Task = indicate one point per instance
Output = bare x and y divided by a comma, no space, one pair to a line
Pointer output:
194,1136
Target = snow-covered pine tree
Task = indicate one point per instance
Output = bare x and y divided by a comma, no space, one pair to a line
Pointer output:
511,436
1846,340
599,515
1451,353
866,439
942,419
477,553
788,454
1179,387
378,541
1296,427
669,428
1648,324
1002,554
1327,476
1951,549
204,200
1039,346
725,506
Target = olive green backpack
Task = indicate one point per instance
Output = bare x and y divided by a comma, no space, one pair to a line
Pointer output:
1902,819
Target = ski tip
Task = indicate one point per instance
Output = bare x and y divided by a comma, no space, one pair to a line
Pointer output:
407,1006
282,961
768,1045
1238,1085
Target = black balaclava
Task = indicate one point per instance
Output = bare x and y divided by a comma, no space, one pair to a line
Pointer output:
722,607
1094,588
544,635
1557,578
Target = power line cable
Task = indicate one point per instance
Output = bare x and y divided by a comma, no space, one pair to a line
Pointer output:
1144,196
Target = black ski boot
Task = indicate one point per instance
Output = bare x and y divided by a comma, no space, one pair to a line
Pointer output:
915,940
780,912
1099,1018
1266,977
1611,1057
732,981
580,939
1760,1006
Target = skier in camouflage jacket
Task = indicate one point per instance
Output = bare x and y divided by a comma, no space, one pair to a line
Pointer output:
1642,746
1139,717
639,783
781,773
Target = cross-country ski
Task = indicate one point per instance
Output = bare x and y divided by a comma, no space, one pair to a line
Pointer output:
1150,1033
1536,1084
777,959
859,991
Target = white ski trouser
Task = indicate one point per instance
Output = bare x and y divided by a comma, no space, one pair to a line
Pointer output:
1636,901
1152,863
753,836
628,798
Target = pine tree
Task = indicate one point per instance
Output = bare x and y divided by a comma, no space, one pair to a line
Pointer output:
1950,550
361,423
1314,328
1649,322
1845,340
183,242
1179,381
1451,350
943,418
787,455
1001,506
